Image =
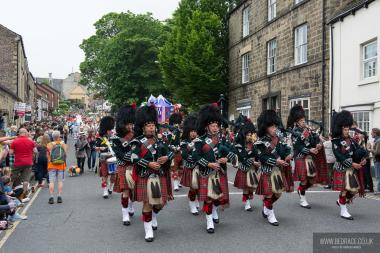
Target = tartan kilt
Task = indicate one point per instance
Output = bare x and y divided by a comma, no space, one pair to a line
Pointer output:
103,169
187,177
265,184
176,168
240,180
300,172
339,181
120,180
142,192
289,181
321,167
203,189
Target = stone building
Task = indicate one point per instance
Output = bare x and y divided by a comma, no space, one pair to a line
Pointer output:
16,82
279,56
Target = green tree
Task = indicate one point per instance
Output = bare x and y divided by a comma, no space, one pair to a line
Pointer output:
121,59
195,55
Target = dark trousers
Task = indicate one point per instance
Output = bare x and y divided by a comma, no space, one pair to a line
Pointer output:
91,159
41,171
80,162
368,183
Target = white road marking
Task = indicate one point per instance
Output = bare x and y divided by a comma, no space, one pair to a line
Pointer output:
10,231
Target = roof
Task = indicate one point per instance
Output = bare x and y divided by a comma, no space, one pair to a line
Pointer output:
350,9
45,86
236,7
9,92
56,83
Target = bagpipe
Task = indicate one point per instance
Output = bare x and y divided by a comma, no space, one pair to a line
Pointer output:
359,152
316,133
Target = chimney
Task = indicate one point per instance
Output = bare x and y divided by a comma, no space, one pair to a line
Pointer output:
50,79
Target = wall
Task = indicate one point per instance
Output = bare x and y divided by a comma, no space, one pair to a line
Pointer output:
350,91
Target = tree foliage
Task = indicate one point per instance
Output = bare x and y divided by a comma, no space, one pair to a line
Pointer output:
121,59
195,55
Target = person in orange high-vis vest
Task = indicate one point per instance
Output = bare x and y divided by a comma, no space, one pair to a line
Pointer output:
56,169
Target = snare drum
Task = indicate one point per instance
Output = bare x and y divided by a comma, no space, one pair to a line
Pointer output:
111,165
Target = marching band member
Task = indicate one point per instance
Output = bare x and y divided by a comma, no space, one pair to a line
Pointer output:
274,156
103,147
305,150
124,182
247,174
175,121
349,160
152,159
190,170
212,155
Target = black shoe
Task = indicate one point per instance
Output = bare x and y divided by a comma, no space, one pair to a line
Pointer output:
176,190
195,214
59,200
154,228
149,239
109,192
348,218
216,221
51,200
105,197
264,215
249,209
126,223
210,230
131,214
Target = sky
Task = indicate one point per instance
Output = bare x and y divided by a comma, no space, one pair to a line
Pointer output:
52,30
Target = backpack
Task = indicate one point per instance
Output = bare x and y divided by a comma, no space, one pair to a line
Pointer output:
57,154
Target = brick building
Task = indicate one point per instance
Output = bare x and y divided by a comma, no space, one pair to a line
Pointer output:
16,81
279,56
47,100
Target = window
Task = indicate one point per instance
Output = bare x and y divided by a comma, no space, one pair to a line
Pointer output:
300,45
272,103
363,120
369,52
271,9
244,110
271,56
245,68
304,102
246,22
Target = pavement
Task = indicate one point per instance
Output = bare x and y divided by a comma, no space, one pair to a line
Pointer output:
86,222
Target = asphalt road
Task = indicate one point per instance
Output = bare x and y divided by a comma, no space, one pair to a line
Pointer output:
86,222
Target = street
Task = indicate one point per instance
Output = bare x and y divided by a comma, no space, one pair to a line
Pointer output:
86,222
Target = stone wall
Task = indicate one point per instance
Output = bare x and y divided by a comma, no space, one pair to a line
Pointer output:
289,81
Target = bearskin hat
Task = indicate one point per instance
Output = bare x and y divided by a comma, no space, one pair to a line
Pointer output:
341,119
267,119
190,124
126,115
208,114
296,113
244,126
107,123
175,118
144,115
